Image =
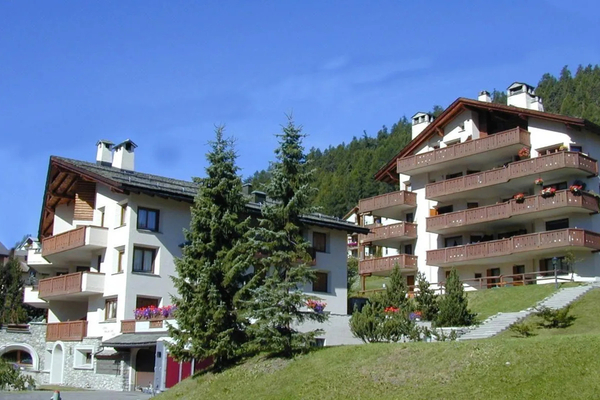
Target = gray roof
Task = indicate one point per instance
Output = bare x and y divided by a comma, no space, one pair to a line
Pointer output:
129,340
183,190
3,250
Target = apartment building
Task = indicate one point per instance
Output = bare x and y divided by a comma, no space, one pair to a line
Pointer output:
109,236
502,193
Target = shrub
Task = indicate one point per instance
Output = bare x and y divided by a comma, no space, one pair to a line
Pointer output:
425,298
374,323
454,310
522,329
12,379
555,318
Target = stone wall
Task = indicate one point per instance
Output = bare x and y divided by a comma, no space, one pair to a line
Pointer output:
33,339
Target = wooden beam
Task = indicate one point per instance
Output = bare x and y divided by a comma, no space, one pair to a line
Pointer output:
439,131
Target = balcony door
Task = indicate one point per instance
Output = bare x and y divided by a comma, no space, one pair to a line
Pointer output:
144,367
493,282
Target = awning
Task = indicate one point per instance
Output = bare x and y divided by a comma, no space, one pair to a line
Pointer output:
129,340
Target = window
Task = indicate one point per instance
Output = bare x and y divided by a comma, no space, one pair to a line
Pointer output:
547,265
147,219
99,262
83,358
82,269
141,302
477,275
320,282
120,257
110,309
123,218
101,216
448,274
455,175
557,186
494,281
476,239
445,210
557,224
320,241
410,217
143,260
453,241
408,249
472,205
20,357
578,149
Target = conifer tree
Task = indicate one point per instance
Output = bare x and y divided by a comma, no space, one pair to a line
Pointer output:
454,309
209,275
426,299
11,293
277,306
396,291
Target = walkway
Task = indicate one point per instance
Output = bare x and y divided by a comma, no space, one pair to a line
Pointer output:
501,321
88,395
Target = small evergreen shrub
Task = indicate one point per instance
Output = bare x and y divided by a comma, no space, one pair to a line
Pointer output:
454,310
522,329
555,318
426,301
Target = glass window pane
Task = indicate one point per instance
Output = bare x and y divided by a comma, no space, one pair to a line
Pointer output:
26,358
142,218
148,259
138,255
151,221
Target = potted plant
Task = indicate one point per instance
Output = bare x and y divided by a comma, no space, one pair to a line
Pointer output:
576,189
519,198
563,148
548,192
316,305
539,182
524,153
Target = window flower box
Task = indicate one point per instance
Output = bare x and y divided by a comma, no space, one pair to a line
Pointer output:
524,153
519,198
539,182
154,313
576,189
548,192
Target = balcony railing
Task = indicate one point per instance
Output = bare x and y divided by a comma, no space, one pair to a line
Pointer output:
75,330
69,284
495,212
382,264
401,198
533,242
401,230
92,236
514,137
128,326
518,169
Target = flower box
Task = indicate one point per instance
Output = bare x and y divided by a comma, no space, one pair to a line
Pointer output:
316,305
539,182
524,153
154,313
576,189
548,192
519,198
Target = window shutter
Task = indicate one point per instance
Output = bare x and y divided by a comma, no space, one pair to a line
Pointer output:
85,201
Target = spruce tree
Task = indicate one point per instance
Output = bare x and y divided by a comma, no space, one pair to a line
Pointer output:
396,291
11,293
209,274
277,306
454,309
426,299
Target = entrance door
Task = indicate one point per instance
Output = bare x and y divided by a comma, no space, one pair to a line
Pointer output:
56,371
144,367
493,282
410,282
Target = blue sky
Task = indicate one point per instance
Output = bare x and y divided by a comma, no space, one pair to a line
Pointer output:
164,73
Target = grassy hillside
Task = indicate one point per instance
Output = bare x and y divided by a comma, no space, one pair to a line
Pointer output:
559,365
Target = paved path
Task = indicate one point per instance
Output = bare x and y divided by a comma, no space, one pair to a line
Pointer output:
89,395
501,321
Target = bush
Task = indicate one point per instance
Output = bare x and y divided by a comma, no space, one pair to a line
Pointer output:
374,323
12,379
425,298
522,329
555,318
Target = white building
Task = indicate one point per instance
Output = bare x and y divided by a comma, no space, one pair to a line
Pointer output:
456,207
109,237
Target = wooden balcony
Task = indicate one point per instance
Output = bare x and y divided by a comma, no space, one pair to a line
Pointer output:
389,235
73,330
384,265
562,203
515,248
145,325
74,245
128,326
74,286
520,174
389,205
498,145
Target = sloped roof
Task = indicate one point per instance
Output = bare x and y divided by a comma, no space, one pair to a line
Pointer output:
461,104
155,185
129,340
3,250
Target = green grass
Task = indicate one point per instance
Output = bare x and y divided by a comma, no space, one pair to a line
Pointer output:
562,364
586,310
508,299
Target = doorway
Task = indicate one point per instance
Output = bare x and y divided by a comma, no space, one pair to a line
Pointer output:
58,361
144,367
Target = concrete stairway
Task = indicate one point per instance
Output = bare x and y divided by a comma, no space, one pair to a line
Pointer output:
501,321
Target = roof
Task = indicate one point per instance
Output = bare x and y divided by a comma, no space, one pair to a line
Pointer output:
139,182
3,250
461,104
129,340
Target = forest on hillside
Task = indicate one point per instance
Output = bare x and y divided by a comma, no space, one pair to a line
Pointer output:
344,173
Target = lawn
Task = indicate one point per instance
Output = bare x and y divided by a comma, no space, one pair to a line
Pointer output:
508,299
561,364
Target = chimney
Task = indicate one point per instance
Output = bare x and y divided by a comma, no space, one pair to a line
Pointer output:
523,95
104,152
246,189
124,156
484,95
419,122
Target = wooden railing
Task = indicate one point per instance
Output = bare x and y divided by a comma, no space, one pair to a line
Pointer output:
531,204
63,241
128,326
516,244
516,136
387,200
517,169
379,264
60,285
398,230
74,330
